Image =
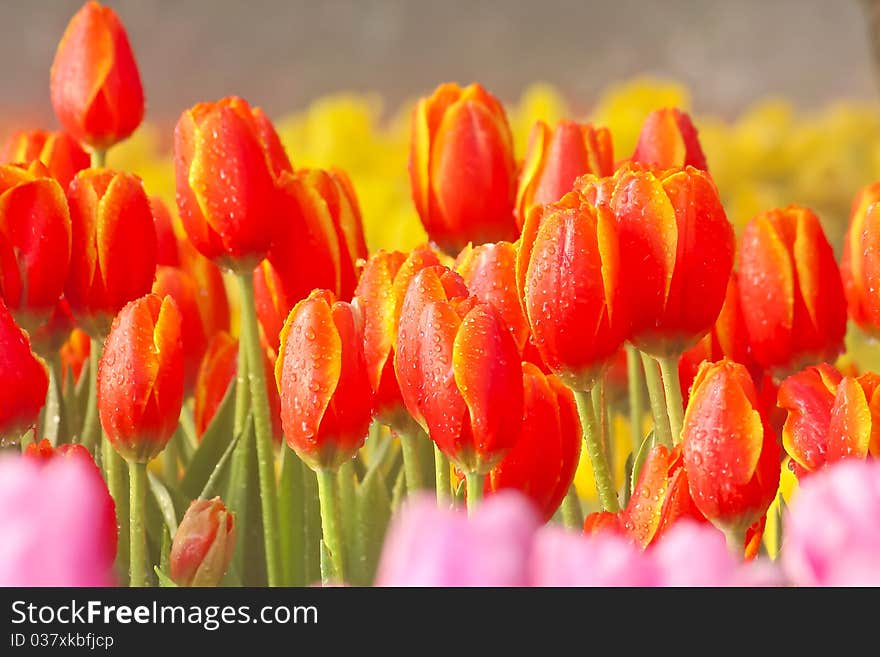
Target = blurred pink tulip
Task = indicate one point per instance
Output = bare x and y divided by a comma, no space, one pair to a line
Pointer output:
53,524
832,530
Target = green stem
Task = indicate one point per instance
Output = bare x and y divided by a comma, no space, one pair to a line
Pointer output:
601,410
736,541
256,375
635,375
119,487
412,467
137,473
55,425
474,491
658,401
601,471
672,390
91,429
572,512
99,158
443,480
331,520
242,394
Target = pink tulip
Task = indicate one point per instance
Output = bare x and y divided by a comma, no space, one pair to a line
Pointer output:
563,558
53,524
832,530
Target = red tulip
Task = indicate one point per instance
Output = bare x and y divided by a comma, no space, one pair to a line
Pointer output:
556,158
730,452
225,169
58,151
830,417
95,85
543,461
568,278
459,370
108,528
217,372
24,380
181,287
461,167
167,250
74,354
326,399
113,255
140,378
203,544
668,140
34,243
790,290
860,265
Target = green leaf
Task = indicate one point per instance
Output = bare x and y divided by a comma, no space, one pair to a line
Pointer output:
373,514
399,491
328,575
219,475
313,528
214,442
165,553
627,478
647,445
292,511
164,580
164,502
348,510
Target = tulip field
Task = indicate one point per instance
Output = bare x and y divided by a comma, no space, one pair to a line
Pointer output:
478,345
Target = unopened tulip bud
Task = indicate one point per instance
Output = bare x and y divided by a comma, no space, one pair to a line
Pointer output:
203,546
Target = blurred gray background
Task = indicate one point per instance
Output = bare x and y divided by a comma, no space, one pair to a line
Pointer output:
281,54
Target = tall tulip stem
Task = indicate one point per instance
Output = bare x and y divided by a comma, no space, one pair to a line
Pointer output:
56,427
635,375
657,397
672,390
442,478
596,452
411,466
99,158
91,428
474,491
736,541
331,520
137,474
256,375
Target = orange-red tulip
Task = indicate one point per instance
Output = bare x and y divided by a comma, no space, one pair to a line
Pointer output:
326,399
568,277
140,378
676,245
860,265
543,461
459,370
167,250
790,290
669,139
203,545
730,453
556,158
113,255
95,84
830,416
225,169
24,380
58,151
217,372
181,287
74,354
34,243
461,166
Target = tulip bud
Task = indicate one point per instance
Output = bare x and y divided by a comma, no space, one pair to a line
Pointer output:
860,265
95,85
203,545
459,371
74,354
830,417
556,158
108,527
113,254
217,372
140,378
225,172
58,151
668,139
790,290
568,278
181,287
34,243
326,399
24,380
461,167
730,453
543,461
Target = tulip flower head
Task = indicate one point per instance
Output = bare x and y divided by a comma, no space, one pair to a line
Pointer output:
140,378
790,290
461,166
95,84
669,139
860,265
34,243
326,398
58,151
730,453
203,546
24,380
